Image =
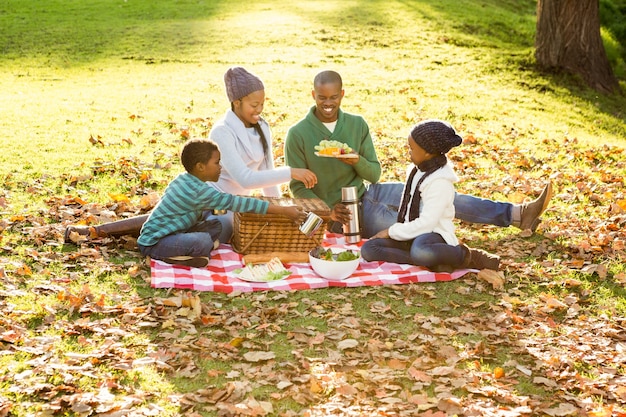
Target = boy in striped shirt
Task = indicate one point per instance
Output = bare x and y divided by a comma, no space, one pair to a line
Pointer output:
177,230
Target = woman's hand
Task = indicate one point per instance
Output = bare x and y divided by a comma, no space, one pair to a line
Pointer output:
307,177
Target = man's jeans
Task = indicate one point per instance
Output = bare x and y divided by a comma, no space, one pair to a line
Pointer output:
381,201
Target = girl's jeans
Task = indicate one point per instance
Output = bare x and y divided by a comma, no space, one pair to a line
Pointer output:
380,204
197,241
429,250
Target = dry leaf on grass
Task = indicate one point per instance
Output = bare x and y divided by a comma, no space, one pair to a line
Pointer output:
495,278
258,356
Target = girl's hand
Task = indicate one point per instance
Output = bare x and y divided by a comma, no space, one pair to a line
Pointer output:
307,177
383,234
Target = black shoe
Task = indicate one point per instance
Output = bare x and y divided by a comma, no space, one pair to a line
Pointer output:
193,261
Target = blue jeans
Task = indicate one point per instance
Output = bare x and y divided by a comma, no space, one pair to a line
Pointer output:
429,250
381,201
227,226
197,241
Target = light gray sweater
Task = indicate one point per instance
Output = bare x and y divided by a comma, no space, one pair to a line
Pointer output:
244,166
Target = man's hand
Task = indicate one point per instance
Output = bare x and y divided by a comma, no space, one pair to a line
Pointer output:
340,213
351,160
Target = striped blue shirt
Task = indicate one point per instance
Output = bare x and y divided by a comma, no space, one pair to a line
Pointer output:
182,205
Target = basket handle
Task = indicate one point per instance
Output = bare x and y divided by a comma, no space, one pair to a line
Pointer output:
243,250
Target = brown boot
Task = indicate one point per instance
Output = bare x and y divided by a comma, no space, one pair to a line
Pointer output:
118,228
480,259
526,216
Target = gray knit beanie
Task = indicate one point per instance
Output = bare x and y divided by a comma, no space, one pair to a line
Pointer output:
239,83
435,136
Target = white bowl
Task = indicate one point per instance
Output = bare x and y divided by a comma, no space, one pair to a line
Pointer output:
334,270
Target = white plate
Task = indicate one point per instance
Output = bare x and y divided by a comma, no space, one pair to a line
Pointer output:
264,279
343,156
263,272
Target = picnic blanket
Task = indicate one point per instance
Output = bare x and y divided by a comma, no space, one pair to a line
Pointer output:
218,276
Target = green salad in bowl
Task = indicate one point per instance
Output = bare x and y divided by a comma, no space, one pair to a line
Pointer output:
334,263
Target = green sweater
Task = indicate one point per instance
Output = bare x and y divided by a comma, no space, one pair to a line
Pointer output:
185,200
332,174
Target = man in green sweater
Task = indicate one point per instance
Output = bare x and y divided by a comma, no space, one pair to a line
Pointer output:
380,201
326,121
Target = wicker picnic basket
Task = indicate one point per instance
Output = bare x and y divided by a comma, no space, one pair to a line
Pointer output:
262,233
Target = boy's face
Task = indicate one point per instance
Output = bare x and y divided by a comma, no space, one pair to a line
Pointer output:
418,154
250,107
327,101
210,170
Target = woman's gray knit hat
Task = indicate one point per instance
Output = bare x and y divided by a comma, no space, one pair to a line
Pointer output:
240,83
435,136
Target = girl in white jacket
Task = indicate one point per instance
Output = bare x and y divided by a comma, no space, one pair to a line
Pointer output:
424,231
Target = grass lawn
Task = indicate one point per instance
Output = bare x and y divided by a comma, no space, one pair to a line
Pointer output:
96,99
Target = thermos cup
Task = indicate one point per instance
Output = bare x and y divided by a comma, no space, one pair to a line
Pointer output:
310,225
351,230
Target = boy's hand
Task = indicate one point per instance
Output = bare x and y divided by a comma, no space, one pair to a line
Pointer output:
294,213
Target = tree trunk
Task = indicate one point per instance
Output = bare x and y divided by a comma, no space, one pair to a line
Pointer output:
568,37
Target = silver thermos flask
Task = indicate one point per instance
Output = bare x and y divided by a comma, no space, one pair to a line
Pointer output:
352,230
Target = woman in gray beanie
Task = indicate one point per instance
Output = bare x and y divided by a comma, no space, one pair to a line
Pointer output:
424,233
245,141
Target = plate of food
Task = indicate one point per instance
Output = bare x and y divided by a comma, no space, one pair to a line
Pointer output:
340,156
274,270
334,149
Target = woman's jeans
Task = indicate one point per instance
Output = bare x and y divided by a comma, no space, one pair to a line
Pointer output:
381,201
197,241
429,250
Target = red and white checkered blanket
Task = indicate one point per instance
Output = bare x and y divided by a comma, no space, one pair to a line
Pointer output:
218,276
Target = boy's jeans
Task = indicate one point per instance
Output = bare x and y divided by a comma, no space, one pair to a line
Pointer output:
380,204
197,241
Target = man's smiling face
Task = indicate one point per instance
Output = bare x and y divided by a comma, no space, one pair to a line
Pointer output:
327,101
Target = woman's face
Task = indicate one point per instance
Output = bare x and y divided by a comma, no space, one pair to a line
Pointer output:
250,107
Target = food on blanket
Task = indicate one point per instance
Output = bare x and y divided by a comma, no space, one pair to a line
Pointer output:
274,270
285,257
330,255
334,268
333,148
